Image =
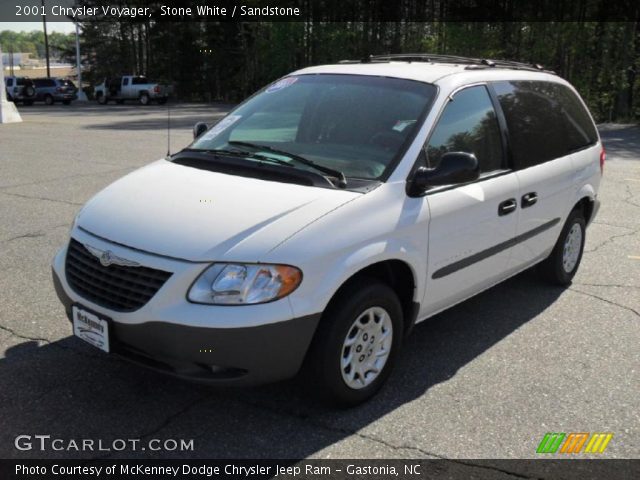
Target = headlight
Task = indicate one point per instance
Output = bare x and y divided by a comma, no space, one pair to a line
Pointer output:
238,284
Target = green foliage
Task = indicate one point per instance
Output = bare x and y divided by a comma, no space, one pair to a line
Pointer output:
228,60
61,45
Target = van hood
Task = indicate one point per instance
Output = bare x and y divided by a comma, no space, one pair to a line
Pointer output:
197,215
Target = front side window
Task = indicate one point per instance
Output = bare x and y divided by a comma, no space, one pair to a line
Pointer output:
468,124
125,82
355,124
9,82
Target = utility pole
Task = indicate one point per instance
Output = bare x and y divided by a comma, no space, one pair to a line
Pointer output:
46,38
82,97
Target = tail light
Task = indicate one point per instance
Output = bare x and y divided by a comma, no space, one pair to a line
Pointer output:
603,157
156,89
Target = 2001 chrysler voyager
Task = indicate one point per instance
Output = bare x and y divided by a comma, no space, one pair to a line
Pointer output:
322,218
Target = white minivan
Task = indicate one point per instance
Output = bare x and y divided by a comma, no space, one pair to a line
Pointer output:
322,218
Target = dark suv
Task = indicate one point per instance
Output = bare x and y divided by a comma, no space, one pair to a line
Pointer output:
20,89
51,90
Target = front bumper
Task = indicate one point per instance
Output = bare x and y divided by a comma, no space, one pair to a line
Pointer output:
216,348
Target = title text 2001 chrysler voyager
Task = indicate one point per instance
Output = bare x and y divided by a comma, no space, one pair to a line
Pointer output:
316,223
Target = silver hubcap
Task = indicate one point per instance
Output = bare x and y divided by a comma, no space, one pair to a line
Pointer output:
366,348
572,246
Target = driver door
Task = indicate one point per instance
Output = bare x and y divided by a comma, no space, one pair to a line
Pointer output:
471,225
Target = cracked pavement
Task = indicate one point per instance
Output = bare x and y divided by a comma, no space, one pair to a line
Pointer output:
486,379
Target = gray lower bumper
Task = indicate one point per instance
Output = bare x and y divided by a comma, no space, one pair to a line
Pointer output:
231,356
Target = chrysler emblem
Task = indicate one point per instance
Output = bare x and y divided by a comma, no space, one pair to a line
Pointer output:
107,257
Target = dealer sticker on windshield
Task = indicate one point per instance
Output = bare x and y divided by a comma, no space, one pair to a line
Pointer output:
91,328
281,84
221,126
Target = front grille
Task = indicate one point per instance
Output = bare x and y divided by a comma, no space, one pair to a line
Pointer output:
120,288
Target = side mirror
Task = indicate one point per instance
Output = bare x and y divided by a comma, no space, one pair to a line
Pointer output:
199,128
454,168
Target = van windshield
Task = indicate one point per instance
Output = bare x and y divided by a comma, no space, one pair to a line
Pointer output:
355,124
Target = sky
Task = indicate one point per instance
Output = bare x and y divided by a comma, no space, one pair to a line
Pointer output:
62,27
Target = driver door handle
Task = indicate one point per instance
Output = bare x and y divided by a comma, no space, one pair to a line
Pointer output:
507,207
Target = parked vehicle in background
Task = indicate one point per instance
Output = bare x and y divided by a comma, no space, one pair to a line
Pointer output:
131,87
52,90
20,89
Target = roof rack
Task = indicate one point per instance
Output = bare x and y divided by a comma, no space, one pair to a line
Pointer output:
472,63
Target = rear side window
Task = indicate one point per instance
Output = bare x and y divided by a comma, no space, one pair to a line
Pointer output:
545,121
44,82
468,124
139,80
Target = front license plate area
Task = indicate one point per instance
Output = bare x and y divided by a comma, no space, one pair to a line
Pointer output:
91,328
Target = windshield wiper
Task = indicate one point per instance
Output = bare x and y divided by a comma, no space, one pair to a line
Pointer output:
342,180
239,153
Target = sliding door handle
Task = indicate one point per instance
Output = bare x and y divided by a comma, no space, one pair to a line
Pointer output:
529,199
508,206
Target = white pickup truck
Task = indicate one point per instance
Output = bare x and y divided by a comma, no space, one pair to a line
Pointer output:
131,87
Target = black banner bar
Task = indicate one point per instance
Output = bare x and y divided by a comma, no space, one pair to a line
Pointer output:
320,10
319,469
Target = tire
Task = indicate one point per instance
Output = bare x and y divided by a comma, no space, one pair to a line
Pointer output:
48,100
102,99
29,91
560,267
66,102
327,367
144,99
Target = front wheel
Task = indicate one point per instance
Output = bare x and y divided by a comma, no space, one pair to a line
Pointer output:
561,266
356,344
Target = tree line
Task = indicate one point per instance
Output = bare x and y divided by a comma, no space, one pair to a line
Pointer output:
226,61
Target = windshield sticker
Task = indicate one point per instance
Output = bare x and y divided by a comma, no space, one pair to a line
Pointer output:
402,124
221,126
281,84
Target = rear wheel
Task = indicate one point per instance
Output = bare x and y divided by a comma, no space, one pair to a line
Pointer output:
356,344
48,100
144,99
102,99
561,266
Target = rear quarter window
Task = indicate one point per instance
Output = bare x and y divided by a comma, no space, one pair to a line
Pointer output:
545,121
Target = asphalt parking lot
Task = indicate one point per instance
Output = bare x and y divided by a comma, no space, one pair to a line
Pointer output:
486,379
